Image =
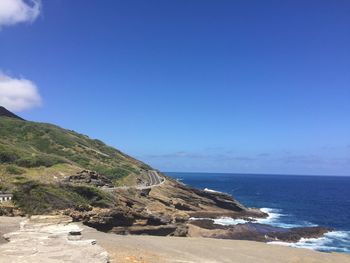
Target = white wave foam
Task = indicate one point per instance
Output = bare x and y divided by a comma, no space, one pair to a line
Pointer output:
274,219
211,190
338,241
226,221
344,235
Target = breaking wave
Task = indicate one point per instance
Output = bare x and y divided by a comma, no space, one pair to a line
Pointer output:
338,241
335,241
274,218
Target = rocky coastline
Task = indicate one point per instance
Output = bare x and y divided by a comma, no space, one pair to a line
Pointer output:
170,210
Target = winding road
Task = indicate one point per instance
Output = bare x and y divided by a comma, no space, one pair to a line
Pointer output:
154,178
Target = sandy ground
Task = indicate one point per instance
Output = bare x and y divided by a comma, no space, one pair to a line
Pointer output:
202,250
151,249
7,225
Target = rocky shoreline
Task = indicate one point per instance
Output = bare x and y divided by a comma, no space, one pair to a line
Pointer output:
169,210
53,239
253,231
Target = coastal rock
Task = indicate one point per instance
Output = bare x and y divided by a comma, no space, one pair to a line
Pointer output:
160,210
103,219
253,231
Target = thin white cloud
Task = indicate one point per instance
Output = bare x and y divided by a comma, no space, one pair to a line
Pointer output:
18,94
17,11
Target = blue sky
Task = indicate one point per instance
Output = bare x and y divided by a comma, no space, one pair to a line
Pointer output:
209,86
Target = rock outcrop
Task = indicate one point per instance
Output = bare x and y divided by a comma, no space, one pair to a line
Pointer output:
160,210
90,178
169,209
253,231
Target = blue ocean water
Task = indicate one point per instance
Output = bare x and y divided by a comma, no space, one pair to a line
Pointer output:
290,201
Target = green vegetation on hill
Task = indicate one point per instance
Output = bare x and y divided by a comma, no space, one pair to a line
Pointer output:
36,157
37,198
28,145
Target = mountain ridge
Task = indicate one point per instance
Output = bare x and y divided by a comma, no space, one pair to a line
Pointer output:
6,113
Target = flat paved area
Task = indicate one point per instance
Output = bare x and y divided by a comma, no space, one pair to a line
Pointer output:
202,250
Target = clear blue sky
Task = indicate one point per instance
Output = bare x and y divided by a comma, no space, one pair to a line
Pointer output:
214,86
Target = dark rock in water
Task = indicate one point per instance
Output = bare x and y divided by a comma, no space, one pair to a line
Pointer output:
295,234
90,177
217,199
6,113
254,231
221,200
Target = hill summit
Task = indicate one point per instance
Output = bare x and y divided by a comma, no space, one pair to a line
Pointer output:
6,113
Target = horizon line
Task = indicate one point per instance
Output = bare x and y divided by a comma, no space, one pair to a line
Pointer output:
236,173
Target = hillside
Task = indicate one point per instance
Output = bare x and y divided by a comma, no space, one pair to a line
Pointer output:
28,145
35,158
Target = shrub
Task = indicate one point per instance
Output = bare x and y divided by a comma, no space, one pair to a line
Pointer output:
92,195
13,169
112,173
7,155
36,198
40,160
79,159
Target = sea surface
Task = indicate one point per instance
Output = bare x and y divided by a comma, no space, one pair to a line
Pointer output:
290,201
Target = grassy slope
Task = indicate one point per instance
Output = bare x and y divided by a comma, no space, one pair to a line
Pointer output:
35,156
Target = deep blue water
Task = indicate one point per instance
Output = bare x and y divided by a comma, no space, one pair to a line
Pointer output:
291,201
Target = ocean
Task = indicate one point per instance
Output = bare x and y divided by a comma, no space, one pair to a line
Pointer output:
290,201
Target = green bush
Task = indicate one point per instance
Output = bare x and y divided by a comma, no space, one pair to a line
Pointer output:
112,173
79,159
7,155
40,160
36,198
94,196
43,145
13,169
145,166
